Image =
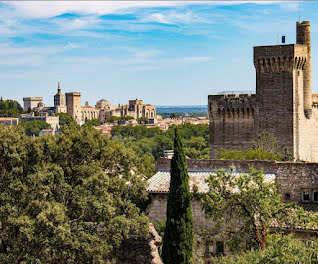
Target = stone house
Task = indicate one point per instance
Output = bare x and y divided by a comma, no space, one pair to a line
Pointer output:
297,182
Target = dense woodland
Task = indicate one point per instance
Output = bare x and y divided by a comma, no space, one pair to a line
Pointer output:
150,143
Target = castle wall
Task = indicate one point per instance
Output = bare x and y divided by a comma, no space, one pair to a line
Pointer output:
232,123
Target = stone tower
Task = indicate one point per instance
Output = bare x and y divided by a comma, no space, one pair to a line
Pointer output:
73,105
303,37
59,101
283,104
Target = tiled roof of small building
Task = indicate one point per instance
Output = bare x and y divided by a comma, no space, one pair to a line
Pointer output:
160,182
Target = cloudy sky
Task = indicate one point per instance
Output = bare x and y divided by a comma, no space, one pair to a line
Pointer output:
166,53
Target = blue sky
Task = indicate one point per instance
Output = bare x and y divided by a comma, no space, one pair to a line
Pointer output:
166,53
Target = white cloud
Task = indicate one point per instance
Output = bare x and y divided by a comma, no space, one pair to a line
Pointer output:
193,59
46,9
175,18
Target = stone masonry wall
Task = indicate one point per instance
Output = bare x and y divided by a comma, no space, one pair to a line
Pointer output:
292,177
140,250
232,121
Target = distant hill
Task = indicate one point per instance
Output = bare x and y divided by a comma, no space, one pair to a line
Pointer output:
182,109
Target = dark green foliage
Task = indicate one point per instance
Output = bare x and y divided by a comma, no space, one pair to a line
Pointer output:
280,249
92,122
141,120
150,143
178,236
65,120
112,119
10,108
250,154
65,199
34,127
287,155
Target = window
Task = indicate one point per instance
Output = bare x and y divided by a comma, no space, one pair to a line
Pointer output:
287,196
219,247
306,195
315,195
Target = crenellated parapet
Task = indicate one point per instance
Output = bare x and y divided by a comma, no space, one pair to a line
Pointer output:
232,106
279,64
280,58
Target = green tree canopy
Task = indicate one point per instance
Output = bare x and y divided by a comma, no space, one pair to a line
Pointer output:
65,120
250,154
142,120
246,206
92,122
66,199
10,108
178,236
280,249
151,143
34,127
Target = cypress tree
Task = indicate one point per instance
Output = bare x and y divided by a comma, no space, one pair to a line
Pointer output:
178,237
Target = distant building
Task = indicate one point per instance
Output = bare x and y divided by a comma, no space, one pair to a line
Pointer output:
80,113
59,101
53,121
9,121
30,103
135,108
71,103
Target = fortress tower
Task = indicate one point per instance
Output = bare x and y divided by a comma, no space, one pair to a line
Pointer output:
73,104
282,105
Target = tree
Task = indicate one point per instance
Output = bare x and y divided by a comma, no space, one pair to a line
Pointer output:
245,206
267,142
111,119
178,236
65,120
10,108
66,199
250,154
92,122
34,127
281,249
141,120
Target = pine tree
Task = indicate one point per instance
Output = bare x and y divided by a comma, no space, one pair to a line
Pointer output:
178,237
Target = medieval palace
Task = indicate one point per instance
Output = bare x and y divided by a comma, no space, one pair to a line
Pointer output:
71,103
283,104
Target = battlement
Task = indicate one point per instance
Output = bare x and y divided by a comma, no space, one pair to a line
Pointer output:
280,58
32,98
73,94
232,105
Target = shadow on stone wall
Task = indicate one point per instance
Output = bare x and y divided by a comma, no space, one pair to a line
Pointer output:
140,250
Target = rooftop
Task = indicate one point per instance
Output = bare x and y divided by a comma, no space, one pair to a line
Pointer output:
160,182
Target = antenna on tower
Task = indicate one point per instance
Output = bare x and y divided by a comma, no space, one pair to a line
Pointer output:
299,11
